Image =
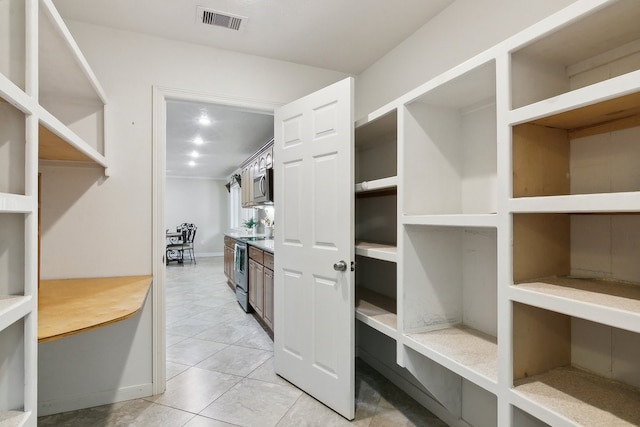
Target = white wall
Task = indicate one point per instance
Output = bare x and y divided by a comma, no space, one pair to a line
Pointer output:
203,202
96,226
459,32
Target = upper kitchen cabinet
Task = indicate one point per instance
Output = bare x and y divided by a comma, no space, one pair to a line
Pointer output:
73,104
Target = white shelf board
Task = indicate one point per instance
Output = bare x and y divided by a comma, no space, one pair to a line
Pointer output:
463,350
602,202
603,301
14,418
66,134
598,92
377,311
13,308
462,220
377,184
377,251
15,96
16,203
572,397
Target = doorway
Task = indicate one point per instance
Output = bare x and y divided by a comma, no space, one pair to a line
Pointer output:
161,97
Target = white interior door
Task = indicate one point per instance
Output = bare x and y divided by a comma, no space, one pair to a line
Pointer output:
314,302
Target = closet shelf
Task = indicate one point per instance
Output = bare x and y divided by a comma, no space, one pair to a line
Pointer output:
570,396
602,107
14,418
377,251
58,142
462,220
377,184
16,203
467,352
605,301
377,311
601,202
12,308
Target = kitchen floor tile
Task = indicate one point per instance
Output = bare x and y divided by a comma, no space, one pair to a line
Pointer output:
236,360
253,403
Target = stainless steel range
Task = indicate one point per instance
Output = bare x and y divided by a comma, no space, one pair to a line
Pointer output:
241,275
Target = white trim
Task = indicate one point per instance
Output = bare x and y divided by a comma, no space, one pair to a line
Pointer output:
84,400
159,147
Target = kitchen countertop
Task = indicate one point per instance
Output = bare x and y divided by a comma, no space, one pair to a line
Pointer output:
264,244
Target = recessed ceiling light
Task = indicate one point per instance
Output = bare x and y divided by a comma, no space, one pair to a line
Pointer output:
204,120
192,163
194,154
198,140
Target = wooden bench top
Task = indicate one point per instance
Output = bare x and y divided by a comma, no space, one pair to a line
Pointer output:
71,306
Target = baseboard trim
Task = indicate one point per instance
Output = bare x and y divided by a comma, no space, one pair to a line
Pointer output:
84,400
411,389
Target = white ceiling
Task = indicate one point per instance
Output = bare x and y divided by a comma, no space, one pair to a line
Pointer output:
232,136
341,35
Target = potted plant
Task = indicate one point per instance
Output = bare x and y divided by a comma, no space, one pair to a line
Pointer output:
251,225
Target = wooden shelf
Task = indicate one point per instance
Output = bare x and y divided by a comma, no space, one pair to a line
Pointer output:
70,306
377,311
571,396
13,308
377,185
465,351
609,302
377,251
462,220
603,107
14,418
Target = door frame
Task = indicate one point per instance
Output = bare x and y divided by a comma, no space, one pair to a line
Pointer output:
160,96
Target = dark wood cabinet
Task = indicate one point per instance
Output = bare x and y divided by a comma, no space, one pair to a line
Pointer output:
261,284
228,260
268,297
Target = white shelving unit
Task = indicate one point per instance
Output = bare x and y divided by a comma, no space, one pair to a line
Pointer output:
39,113
517,296
376,223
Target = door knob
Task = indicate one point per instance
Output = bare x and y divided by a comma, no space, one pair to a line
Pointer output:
340,266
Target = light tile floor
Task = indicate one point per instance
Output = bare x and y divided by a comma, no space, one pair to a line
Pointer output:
220,372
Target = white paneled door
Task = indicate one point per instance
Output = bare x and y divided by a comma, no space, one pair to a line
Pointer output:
314,241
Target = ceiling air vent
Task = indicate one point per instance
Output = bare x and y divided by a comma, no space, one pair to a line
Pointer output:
219,19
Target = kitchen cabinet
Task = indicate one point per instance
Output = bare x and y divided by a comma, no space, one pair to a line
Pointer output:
261,284
268,290
48,97
497,208
259,161
229,249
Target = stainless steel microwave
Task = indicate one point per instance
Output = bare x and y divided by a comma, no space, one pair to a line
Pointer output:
263,187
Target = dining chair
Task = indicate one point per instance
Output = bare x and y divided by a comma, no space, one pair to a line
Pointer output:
188,236
175,246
